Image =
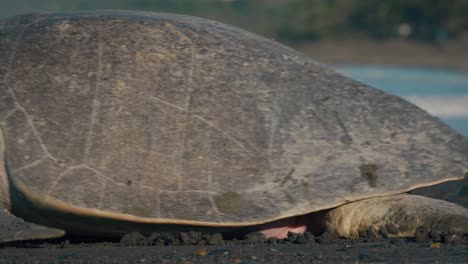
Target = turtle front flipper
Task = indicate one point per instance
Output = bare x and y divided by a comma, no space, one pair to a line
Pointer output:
13,228
397,216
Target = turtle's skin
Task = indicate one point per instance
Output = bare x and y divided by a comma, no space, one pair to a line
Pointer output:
116,121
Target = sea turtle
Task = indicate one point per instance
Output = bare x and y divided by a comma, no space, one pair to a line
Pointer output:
119,121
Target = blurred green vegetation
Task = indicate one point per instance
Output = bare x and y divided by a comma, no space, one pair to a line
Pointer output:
295,20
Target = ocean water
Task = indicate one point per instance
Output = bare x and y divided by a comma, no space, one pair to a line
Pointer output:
443,93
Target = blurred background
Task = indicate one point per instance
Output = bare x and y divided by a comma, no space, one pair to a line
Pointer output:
417,49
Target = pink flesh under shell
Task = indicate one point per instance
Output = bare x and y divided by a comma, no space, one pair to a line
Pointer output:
313,223
281,232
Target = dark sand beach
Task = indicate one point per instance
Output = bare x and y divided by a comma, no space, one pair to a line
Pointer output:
197,248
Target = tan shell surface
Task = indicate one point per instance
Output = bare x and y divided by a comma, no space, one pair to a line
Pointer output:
163,118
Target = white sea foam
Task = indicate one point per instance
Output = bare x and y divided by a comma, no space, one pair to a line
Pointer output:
442,106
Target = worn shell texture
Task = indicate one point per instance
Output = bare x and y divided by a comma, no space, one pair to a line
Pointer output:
177,118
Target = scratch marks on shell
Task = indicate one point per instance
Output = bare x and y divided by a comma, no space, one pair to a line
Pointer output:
226,134
274,115
71,168
168,104
317,117
101,194
188,191
64,129
33,128
288,176
346,138
210,124
99,174
184,138
10,113
95,106
158,203
15,48
13,95
215,208
30,165
57,180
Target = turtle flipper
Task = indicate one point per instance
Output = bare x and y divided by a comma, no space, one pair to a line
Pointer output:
397,216
13,228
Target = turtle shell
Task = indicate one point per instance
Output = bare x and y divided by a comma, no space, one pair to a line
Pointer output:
163,118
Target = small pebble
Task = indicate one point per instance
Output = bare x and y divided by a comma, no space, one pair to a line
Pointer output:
292,237
273,250
368,257
133,239
435,245
306,238
214,239
65,244
69,256
249,260
272,241
255,238
398,242
299,255
326,237
169,240
219,251
309,238
380,244
200,252
190,238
